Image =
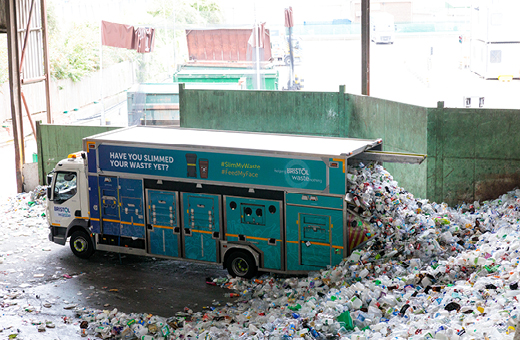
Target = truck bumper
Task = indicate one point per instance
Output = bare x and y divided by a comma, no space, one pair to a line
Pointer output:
58,234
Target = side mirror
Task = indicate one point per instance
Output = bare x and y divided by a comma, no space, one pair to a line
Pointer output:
49,192
49,179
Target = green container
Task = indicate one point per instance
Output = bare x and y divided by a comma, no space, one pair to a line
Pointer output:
35,157
226,76
345,320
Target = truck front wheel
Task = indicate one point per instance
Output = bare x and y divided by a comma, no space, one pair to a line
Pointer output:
241,264
81,244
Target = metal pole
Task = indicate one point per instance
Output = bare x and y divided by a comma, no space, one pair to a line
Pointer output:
291,57
257,50
257,56
365,47
15,89
102,122
174,42
46,61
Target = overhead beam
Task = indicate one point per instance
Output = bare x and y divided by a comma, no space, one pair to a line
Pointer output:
46,68
15,90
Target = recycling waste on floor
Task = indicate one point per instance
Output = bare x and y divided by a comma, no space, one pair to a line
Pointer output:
424,271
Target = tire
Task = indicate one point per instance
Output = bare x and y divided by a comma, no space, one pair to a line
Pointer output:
287,60
81,244
241,264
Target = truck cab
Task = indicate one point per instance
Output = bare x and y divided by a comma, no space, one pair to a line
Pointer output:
383,28
281,52
67,205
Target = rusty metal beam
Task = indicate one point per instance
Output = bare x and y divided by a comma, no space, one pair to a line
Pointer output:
46,67
33,80
29,115
365,47
15,90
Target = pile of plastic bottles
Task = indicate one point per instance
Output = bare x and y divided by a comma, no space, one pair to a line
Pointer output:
428,271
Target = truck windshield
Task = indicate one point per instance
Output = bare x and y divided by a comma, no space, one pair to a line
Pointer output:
65,186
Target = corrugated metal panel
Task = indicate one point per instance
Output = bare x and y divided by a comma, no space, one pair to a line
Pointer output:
33,59
224,45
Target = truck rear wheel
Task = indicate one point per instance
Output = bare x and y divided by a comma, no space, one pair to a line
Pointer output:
241,264
81,244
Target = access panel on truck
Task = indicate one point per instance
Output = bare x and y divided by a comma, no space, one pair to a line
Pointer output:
120,206
132,215
259,223
201,226
314,231
110,221
163,223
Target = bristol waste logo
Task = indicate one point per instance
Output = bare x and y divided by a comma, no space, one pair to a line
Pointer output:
297,174
62,211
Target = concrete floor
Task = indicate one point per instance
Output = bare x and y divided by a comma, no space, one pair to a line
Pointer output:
132,284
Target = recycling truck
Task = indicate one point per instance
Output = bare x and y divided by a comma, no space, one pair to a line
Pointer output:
249,201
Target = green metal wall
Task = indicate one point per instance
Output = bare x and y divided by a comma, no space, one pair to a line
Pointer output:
312,113
402,127
56,142
473,154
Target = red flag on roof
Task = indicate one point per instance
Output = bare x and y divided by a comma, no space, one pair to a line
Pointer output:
126,36
117,35
289,22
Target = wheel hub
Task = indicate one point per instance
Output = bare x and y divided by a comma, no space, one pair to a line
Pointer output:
80,245
240,266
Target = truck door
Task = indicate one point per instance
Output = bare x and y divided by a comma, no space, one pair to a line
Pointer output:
110,220
315,235
66,201
163,228
132,217
315,243
201,223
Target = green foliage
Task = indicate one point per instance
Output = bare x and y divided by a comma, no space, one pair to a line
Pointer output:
75,54
208,10
52,22
4,71
200,12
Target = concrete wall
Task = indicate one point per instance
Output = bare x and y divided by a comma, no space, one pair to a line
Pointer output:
56,142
